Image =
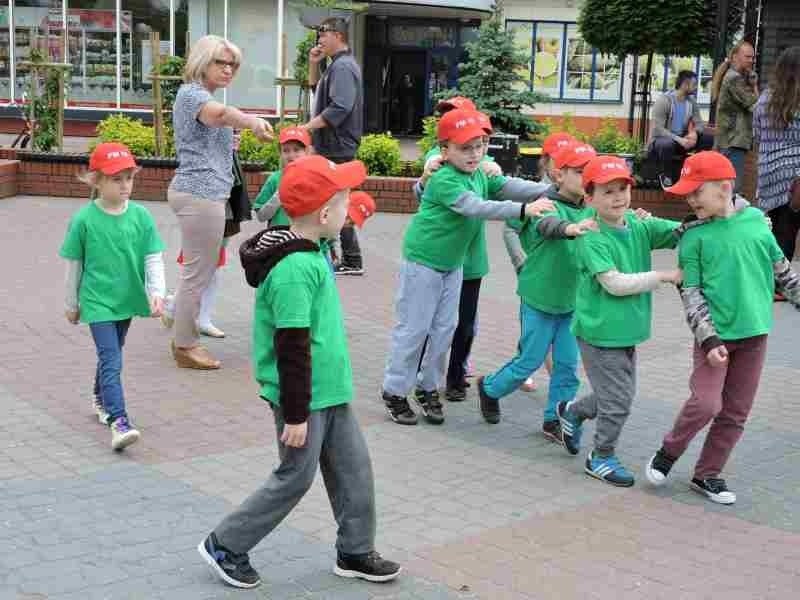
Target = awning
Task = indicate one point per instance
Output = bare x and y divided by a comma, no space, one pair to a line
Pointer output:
479,5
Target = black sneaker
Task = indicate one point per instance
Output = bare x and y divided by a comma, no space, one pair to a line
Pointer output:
715,489
571,428
234,569
366,566
490,407
348,270
658,468
664,181
399,410
552,430
456,393
431,406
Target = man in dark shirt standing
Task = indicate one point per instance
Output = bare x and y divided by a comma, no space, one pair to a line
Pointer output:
338,115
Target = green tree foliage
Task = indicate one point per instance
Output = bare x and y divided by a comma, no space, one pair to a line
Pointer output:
380,152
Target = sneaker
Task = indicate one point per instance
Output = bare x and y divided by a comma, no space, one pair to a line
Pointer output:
658,467
97,408
552,430
211,330
168,315
123,434
232,568
490,407
348,270
431,406
664,181
371,567
529,385
399,410
609,469
571,428
456,393
714,489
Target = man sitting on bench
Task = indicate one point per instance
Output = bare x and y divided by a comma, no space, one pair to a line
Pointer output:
677,128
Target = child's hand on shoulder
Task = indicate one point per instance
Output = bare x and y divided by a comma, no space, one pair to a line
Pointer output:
718,357
672,276
581,227
491,168
156,306
294,436
537,207
431,167
73,316
642,214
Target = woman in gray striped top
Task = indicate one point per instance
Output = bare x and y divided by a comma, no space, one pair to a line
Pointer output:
776,130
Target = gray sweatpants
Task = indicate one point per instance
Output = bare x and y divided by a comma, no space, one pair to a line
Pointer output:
612,375
335,443
427,307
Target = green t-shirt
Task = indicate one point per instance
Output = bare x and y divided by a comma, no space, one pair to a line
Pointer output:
602,319
437,236
300,292
731,261
265,195
112,249
549,278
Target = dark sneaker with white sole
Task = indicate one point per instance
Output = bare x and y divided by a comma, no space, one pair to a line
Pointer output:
658,468
714,489
234,569
348,270
571,428
490,407
456,393
431,406
552,431
399,410
370,567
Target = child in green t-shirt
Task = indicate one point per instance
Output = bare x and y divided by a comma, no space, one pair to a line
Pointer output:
731,265
115,272
302,365
435,248
613,309
546,287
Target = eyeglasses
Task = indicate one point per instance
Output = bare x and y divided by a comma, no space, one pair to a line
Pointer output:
224,63
338,27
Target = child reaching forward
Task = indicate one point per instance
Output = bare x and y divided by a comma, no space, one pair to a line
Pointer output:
114,272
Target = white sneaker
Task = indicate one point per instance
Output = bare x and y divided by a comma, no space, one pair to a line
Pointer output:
714,489
168,315
211,331
97,407
122,434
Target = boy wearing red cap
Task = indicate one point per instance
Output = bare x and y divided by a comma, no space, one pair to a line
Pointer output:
612,312
302,364
115,272
434,250
546,287
731,266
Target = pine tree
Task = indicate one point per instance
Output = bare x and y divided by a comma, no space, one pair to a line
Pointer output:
491,78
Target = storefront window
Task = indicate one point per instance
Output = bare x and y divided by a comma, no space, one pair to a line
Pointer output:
37,24
607,77
253,28
425,36
145,16
547,58
523,40
92,26
666,69
5,54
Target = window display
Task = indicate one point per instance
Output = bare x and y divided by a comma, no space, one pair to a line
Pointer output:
547,58
580,66
523,40
607,77
36,25
145,16
5,54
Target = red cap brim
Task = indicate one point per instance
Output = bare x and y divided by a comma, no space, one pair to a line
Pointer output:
608,177
349,175
684,187
116,167
465,134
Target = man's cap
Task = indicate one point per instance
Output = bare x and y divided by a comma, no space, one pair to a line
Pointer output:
700,168
455,102
602,169
555,141
337,24
310,181
295,134
575,154
362,207
110,158
460,126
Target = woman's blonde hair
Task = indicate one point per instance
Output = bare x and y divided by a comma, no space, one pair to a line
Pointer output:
719,74
203,52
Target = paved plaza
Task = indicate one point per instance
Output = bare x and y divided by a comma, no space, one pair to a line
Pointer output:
472,511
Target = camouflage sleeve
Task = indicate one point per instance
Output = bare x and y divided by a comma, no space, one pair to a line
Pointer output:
699,319
787,281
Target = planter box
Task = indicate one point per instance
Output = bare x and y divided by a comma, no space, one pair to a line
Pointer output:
8,177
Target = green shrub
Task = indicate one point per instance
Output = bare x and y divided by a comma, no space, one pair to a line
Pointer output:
380,152
137,136
428,139
609,140
266,154
566,125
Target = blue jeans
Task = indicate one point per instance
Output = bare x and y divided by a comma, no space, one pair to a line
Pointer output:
109,338
736,156
540,330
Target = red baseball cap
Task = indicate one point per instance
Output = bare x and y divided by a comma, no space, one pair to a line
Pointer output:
455,102
699,168
574,154
310,181
295,134
602,169
362,207
555,141
485,122
110,158
460,126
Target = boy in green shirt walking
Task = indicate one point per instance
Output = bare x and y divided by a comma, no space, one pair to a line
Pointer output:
612,312
546,287
731,265
302,364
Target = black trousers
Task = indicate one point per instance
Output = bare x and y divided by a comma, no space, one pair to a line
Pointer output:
664,149
351,250
465,331
785,226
